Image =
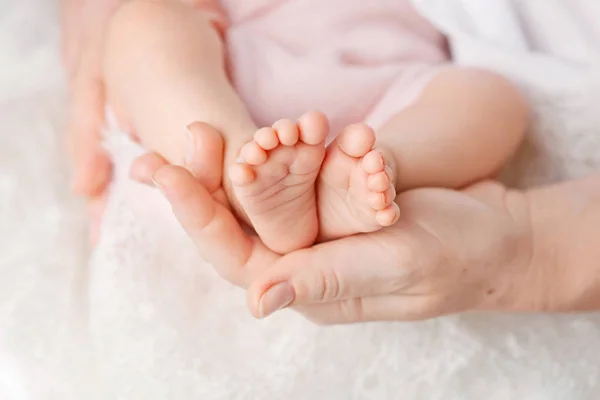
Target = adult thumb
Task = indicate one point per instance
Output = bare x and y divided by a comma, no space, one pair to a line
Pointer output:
204,157
352,267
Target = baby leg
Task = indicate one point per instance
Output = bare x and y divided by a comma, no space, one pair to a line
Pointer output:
462,127
165,68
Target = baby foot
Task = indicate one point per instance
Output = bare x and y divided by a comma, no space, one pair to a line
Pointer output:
355,188
275,181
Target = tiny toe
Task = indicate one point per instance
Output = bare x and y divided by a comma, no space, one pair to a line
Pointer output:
376,201
356,140
266,138
390,195
388,216
253,154
379,201
287,132
378,182
373,162
390,174
241,174
313,127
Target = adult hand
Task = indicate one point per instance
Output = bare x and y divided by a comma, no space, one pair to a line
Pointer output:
83,26
451,251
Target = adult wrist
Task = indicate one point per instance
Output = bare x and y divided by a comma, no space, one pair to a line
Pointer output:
512,279
565,219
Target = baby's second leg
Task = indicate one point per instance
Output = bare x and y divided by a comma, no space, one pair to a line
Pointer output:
463,127
165,68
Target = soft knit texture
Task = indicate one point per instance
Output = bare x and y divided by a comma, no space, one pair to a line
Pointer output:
145,318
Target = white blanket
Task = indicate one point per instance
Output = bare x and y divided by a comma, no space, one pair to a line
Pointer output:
147,319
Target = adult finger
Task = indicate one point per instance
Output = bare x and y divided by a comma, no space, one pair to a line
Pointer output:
215,231
204,158
143,168
96,207
86,119
91,163
353,267
71,32
205,155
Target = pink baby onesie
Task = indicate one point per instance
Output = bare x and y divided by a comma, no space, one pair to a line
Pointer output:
354,60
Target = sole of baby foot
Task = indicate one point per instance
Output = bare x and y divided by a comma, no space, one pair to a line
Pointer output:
355,188
274,181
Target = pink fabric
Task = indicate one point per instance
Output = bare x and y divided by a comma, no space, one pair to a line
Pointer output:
354,60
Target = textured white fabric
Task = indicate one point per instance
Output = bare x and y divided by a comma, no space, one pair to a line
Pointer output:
147,319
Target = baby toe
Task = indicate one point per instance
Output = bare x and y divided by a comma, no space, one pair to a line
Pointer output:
356,140
253,154
266,138
373,162
378,182
388,216
287,132
313,128
379,201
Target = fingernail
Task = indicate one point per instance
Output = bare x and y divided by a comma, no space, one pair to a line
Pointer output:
191,146
277,297
157,183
